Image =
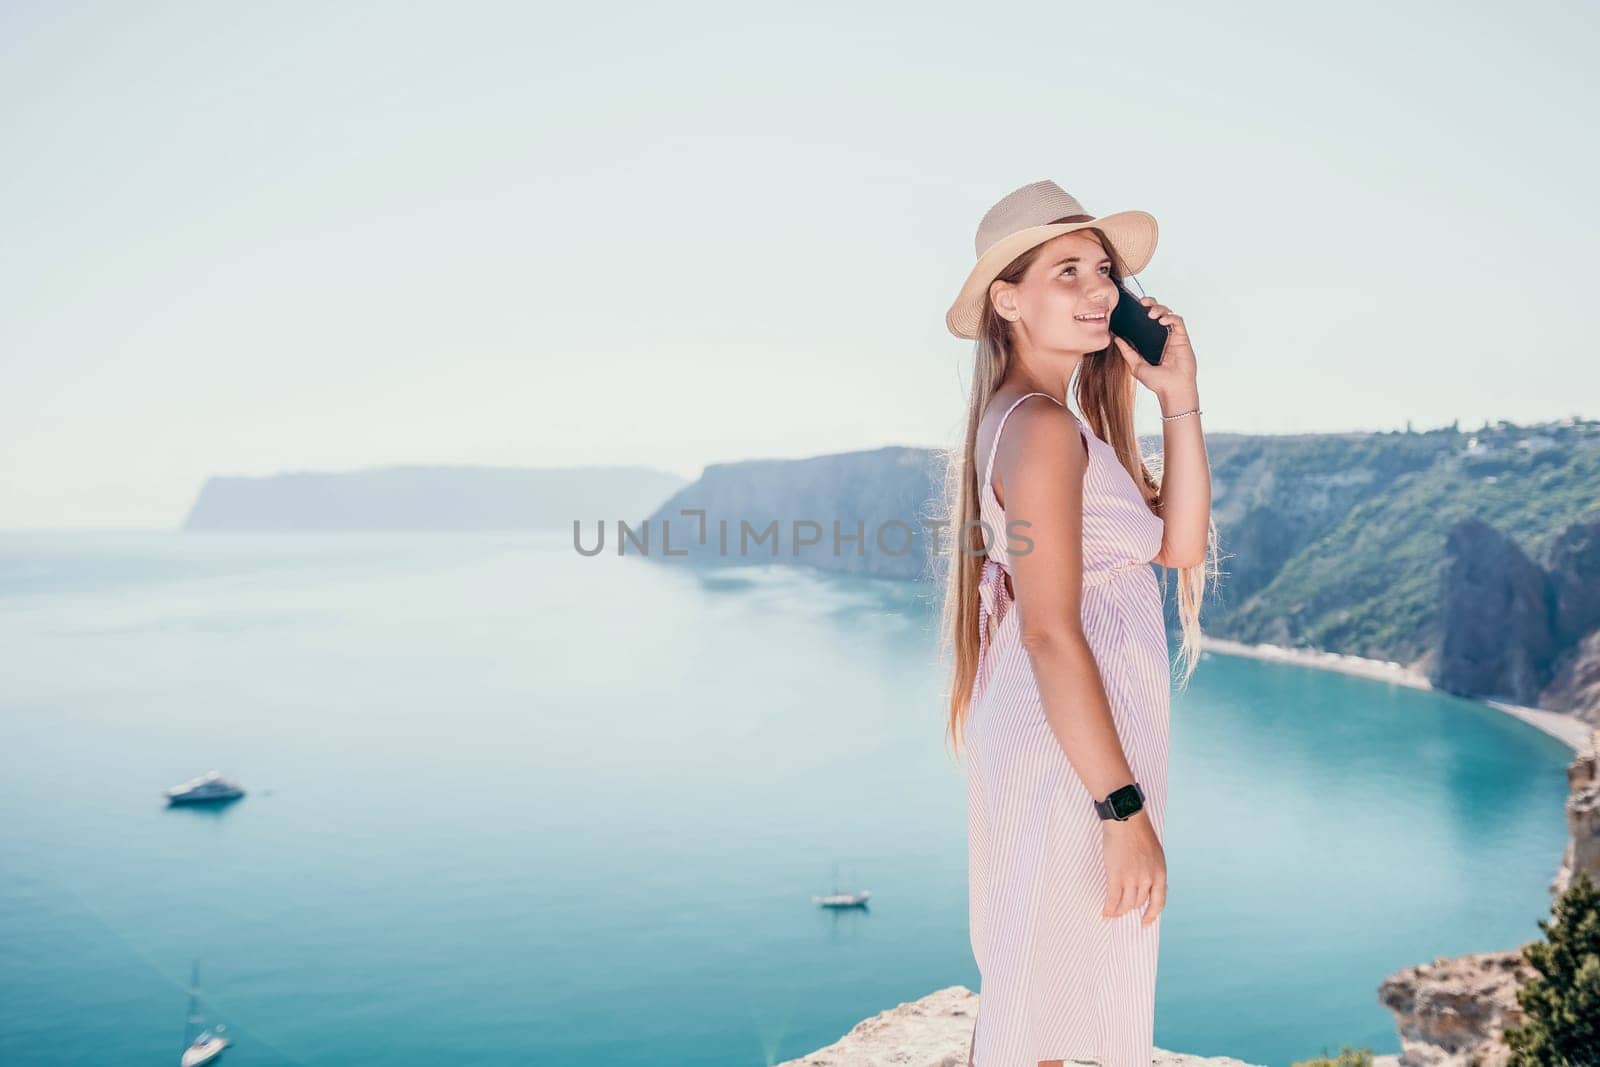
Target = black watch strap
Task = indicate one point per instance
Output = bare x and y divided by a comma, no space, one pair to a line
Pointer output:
1121,803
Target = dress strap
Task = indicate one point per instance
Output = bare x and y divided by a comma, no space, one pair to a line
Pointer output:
994,448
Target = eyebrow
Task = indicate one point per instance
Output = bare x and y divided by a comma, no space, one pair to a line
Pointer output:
1076,259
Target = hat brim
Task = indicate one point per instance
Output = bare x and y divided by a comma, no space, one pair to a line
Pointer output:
1133,242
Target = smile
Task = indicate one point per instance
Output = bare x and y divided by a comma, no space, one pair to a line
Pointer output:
1097,318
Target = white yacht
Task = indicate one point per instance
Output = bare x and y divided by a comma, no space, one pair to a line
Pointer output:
209,787
207,1046
210,1041
840,898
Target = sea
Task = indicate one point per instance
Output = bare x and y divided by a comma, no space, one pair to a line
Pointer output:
508,802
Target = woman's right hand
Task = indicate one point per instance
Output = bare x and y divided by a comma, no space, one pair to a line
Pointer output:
1136,867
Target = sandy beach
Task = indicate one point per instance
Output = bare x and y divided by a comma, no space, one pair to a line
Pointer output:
1573,731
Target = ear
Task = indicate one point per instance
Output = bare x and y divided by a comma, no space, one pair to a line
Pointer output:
1003,295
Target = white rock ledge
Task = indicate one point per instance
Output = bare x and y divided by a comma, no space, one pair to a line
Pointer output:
936,1031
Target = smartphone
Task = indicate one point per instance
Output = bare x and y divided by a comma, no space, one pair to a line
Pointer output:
1131,321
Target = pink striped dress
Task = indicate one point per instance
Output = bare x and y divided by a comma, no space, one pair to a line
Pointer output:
1059,981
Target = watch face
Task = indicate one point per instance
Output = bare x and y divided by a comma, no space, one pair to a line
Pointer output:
1125,801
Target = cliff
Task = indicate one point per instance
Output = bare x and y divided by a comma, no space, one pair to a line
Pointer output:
936,1031
1471,558
1517,630
1454,1011
863,513
1583,818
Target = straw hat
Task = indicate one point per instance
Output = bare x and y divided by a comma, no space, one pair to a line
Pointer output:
1025,218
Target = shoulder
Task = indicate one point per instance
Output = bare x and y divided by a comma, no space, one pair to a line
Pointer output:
1041,429
1041,443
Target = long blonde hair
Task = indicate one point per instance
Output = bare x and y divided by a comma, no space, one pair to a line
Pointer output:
1105,390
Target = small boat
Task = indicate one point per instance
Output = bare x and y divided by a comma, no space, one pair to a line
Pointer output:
841,899
207,1046
210,1041
206,789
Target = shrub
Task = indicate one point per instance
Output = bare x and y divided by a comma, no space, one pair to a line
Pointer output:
1562,1003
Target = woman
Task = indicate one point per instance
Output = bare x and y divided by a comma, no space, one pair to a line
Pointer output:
1062,680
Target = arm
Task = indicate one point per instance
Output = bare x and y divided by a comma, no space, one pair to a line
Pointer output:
1186,476
1046,492
1185,482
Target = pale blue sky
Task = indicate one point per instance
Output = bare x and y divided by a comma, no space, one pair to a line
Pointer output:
242,239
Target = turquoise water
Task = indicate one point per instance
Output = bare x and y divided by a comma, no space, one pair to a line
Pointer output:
510,802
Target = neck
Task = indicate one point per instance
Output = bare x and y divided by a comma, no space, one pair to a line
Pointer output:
1047,370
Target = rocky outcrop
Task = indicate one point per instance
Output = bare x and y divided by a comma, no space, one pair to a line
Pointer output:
1583,818
1454,1012
1496,638
936,1031
1573,566
1576,687
1573,563
866,513
1514,630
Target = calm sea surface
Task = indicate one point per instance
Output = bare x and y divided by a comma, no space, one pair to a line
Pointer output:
508,802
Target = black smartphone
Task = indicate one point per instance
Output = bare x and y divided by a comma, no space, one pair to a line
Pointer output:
1131,321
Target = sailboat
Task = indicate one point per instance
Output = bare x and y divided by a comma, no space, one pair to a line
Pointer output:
210,788
841,899
210,1041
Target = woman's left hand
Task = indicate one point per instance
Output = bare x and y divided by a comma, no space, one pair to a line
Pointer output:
1176,372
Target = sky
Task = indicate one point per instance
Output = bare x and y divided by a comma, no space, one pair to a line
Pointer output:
241,239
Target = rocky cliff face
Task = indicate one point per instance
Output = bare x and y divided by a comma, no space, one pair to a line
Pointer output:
1454,1012
1518,631
1573,567
1576,685
865,513
1573,563
936,1031
1583,818
1497,637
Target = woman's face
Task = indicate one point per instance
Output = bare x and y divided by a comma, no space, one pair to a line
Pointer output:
1064,300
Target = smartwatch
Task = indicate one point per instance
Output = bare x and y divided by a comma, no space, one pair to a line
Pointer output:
1121,803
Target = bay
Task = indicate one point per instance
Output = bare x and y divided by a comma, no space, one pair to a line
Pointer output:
505,800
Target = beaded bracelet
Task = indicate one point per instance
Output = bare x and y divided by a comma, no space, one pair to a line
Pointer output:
1179,415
